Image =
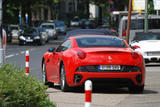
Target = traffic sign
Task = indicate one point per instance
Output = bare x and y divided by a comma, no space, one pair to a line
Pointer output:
138,5
156,4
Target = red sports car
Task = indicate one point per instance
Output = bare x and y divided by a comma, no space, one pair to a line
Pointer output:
101,59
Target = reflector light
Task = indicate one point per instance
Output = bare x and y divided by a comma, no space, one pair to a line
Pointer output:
81,55
135,55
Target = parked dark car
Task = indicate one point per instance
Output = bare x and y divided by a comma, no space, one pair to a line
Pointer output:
88,24
31,35
81,22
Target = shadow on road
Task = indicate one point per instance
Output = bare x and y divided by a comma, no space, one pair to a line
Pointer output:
153,65
150,92
100,90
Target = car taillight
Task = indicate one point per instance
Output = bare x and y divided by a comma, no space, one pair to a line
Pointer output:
81,55
123,33
134,55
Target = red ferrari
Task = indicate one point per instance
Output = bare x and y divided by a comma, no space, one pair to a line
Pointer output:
101,59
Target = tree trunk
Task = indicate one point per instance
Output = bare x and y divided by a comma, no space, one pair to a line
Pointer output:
100,16
87,7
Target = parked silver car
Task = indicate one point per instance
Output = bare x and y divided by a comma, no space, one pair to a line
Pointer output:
75,21
60,26
14,31
50,29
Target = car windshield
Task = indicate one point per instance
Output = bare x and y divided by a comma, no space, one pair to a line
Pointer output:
13,28
42,30
147,36
30,31
48,26
100,42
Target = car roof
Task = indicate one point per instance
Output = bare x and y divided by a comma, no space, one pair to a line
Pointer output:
107,36
47,24
78,32
141,17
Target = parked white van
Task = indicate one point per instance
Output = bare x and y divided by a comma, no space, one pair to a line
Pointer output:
137,25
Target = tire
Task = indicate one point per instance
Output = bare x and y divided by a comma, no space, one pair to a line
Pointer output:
56,37
63,83
136,89
41,42
20,43
47,40
44,76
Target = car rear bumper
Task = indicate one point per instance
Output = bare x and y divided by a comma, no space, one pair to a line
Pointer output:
149,59
123,79
29,42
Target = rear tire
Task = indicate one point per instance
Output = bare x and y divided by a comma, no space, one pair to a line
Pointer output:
44,76
41,42
63,82
136,89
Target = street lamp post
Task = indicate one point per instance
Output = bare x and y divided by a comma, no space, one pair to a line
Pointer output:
20,17
146,17
20,20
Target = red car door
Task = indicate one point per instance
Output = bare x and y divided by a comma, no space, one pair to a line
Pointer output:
54,62
49,67
56,65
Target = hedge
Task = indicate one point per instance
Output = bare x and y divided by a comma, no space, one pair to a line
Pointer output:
19,90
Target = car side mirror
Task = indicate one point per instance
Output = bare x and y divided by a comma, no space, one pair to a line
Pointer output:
52,49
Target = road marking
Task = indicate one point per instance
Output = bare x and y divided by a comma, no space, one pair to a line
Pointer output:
16,54
22,52
9,56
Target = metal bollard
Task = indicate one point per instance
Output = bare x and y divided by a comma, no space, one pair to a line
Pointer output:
88,93
27,62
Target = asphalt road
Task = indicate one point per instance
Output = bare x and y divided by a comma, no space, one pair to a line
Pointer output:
102,96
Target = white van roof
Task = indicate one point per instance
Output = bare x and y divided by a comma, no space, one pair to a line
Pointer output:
141,17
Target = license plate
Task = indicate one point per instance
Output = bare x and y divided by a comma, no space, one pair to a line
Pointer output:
29,40
109,67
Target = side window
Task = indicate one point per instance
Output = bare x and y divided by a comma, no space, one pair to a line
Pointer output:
64,46
136,24
154,23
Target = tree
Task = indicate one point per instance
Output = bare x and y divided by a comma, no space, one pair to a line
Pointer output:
11,8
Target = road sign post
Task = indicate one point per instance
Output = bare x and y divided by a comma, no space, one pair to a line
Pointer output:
88,93
1,36
27,62
146,17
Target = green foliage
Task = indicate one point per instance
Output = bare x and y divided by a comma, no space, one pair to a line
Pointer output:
151,7
19,90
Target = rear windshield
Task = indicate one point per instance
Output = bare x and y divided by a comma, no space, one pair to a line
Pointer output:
100,42
139,24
